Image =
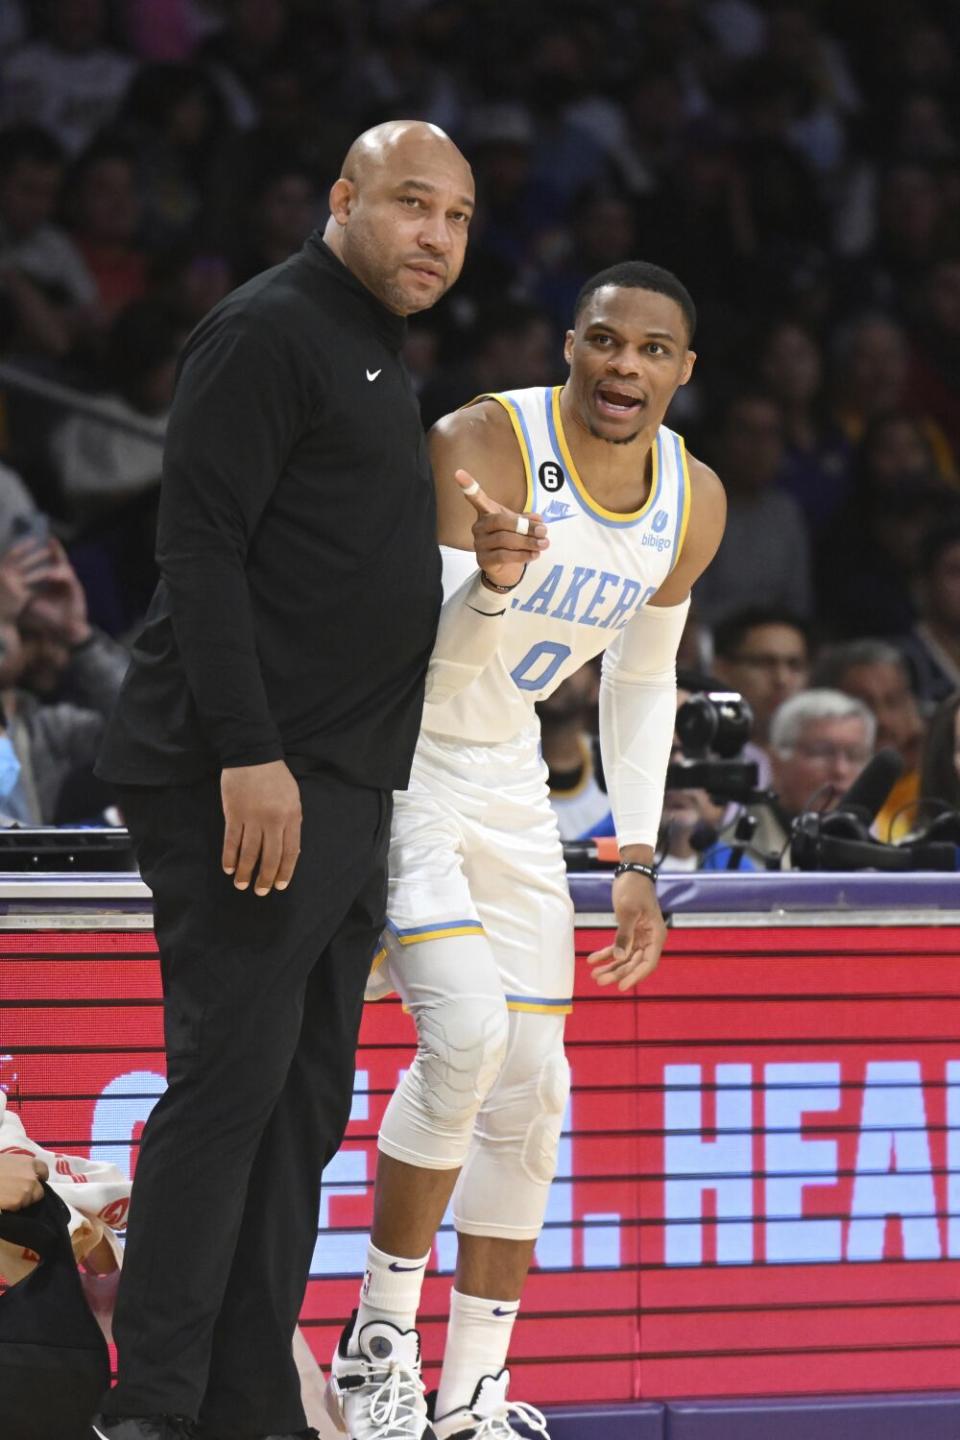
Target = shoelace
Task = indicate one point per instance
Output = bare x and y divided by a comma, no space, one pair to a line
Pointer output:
498,1427
394,1400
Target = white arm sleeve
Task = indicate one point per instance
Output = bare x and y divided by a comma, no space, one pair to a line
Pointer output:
638,709
470,629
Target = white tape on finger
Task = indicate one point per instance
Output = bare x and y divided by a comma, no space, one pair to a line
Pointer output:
472,488
523,525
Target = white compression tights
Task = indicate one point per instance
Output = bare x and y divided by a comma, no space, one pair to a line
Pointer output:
487,1090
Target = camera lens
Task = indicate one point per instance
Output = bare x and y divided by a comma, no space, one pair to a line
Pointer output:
718,723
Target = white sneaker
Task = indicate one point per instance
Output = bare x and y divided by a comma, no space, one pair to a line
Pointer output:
489,1415
378,1394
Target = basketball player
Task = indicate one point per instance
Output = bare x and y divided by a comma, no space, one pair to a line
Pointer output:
593,524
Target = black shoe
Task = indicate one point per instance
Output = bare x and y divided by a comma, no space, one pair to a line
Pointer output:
142,1427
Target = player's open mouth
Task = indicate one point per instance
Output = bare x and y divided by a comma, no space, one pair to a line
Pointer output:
617,404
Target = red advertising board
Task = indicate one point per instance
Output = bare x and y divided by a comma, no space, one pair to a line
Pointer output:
759,1183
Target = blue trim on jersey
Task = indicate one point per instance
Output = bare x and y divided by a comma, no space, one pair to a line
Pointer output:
521,420
681,498
649,505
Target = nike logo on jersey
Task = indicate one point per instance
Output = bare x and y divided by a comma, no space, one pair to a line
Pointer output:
557,510
488,614
372,374
406,1269
498,1311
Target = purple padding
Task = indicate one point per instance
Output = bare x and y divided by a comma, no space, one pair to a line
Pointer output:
609,1422
852,1417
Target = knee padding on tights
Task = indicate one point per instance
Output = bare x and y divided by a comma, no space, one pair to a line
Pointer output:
461,1049
503,1188
462,1043
543,1134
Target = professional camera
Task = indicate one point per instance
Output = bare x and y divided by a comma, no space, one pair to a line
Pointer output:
713,728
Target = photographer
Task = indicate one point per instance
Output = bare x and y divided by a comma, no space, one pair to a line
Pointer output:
692,816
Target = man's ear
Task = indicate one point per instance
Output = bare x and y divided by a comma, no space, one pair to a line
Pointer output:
342,197
688,364
568,346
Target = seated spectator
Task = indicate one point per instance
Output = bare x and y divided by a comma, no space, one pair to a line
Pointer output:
571,751
512,347
940,772
70,81
17,508
934,382
189,280
52,742
933,646
764,557
868,567
872,363
875,672
820,740
100,466
173,115
283,209
764,655
106,211
816,460
44,283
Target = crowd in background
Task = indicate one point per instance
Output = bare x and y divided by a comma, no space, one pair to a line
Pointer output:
797,164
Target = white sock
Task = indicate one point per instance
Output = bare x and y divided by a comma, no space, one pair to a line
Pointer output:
390,1290
478,1337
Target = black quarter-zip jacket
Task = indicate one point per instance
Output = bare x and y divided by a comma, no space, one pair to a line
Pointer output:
300,574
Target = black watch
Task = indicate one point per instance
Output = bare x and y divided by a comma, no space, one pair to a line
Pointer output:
635,868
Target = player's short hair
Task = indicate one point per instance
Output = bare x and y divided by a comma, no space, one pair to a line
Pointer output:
641,275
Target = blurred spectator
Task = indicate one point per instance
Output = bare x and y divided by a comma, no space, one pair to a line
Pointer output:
189,279
876,673
816,460
106,213
101,465
764,558
283,209
604,229
872,362
820,740
571,751
70,81
935,376
43,279
255,34
17,508
53,742
513,347
173,115
932,648
764,654
940,774
869,562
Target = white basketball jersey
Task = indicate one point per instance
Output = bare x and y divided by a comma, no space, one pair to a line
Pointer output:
600,568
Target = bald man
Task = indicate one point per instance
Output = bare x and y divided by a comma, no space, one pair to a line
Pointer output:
272,706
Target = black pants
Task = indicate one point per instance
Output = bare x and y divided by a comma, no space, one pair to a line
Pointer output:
262,1004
